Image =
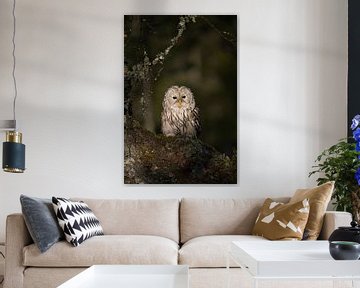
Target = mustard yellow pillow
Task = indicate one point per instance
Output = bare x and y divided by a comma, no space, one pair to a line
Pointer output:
279,221
319,198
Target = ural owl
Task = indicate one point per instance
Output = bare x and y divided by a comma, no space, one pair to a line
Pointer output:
180,116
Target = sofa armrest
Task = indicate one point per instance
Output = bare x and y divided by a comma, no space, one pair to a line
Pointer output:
333,220
17,237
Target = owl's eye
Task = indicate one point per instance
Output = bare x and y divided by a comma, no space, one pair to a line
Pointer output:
174,97
184,97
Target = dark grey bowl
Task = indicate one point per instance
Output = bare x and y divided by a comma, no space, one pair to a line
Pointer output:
344,250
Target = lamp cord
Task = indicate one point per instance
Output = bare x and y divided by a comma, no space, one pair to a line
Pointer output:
14,61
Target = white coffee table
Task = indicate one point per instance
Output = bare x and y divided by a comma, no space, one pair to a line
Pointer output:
285,260
131,276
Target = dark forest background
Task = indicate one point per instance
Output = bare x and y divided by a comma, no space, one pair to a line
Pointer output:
199,52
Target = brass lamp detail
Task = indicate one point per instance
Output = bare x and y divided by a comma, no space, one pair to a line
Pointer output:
13,136
13,153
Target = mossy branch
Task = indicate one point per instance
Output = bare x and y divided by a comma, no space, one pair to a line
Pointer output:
157,159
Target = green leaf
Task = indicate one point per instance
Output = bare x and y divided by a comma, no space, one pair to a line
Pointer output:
338,163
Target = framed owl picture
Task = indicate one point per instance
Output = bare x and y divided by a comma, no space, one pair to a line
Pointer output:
180,99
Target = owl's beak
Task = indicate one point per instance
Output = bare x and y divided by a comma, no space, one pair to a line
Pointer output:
179,103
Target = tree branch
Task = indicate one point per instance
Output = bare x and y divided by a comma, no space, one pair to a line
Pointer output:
227,36
157,159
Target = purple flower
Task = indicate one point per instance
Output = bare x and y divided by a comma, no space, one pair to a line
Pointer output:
356,134
357,147
357,176
355,122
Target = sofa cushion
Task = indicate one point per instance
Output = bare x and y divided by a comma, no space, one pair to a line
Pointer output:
77,220
279,221
159,217
200,217
107,249
211,251
41,221
319,198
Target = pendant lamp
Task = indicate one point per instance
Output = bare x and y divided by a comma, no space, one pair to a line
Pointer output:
13,160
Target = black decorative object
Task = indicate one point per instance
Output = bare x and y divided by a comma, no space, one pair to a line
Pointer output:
345,233
13,149
344,250
13,153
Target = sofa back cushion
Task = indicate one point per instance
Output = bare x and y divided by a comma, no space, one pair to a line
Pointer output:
159,217
200,217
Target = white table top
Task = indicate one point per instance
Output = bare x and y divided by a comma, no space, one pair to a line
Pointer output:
291,259
131,276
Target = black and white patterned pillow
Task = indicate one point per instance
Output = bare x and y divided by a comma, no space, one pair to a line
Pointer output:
77,220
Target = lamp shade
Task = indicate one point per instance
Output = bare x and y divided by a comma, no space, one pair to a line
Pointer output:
13,153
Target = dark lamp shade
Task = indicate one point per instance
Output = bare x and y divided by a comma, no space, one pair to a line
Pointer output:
13,157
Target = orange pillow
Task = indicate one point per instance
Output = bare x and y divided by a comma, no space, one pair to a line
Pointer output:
319,198
279,221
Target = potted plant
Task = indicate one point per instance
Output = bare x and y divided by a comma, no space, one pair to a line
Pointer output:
341,163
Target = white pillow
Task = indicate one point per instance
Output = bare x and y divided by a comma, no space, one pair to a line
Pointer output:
76,220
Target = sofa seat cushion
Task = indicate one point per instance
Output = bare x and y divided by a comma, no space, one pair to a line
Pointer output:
107,249
211,251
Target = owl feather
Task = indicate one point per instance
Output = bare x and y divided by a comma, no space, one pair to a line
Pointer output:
180,116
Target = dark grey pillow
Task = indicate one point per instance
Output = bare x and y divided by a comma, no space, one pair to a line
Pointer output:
41,221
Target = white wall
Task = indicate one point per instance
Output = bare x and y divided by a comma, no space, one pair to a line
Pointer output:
292,94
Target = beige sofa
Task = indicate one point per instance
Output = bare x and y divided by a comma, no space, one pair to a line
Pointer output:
195,232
